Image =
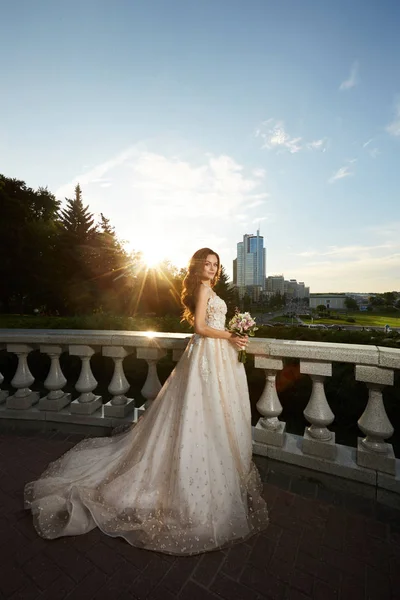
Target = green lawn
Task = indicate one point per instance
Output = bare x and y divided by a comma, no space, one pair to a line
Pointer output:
363,319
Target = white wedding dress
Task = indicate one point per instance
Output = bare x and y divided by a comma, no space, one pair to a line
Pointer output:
181,481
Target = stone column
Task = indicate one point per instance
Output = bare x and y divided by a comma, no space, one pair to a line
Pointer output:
318,440
372,451
3,393
152,385
87,403
56,399
23,398
119,406
177,354
269,429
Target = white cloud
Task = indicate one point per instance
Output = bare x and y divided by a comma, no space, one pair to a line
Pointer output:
374,152
340,174
255,203
394,127
95,174
318,145
275,137
170,202
172,185
307,253
352,79
259,173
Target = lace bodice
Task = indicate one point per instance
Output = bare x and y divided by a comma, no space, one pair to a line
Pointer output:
216,311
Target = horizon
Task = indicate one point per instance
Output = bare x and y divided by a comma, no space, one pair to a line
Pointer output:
189,125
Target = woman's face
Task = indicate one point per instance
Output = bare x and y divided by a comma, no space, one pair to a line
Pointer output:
210,268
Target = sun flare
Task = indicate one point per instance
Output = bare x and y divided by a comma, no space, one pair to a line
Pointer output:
152,258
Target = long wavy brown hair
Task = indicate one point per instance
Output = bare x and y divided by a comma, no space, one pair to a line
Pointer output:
192,282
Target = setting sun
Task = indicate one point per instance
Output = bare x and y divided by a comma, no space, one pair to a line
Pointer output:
152,258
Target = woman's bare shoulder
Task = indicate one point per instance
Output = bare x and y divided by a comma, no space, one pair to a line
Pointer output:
204,290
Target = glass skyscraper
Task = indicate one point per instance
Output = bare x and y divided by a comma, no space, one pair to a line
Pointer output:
250,265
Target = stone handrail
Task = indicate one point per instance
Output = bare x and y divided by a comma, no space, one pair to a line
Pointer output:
372,462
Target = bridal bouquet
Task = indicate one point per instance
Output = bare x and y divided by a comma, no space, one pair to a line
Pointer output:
242,324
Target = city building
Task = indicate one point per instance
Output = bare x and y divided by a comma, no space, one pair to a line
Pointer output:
250,266
249,273
296,290
234,278
276,284
290,288
331,301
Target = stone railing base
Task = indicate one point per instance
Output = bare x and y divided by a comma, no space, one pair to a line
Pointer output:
344,465
97,423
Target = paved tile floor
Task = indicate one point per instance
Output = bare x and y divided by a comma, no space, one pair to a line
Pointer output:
319,545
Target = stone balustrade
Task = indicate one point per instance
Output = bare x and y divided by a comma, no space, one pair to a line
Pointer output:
372,461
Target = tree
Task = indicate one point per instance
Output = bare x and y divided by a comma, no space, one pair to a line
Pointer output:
156,290
246,302
75,219
389,298
376,301
109,260
350,303
226,291
77,255
321,308
27,245
276,301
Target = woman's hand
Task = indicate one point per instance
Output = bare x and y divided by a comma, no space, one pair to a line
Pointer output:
239,342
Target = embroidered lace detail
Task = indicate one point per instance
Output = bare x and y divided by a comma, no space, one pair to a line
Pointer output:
204,368
223,352
216,312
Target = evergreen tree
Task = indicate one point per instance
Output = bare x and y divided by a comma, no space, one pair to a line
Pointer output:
110,260
76,220
77,255
226,291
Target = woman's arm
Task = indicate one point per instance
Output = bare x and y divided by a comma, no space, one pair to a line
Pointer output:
201,328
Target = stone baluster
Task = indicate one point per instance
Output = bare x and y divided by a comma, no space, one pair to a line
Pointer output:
3,393
318,440
152,385
119,406
56,399
372,451
177,354
24,398
87,403
269,429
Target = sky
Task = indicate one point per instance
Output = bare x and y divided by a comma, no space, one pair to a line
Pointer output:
189,123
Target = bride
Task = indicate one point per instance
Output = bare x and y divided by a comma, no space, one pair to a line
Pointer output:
181,481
